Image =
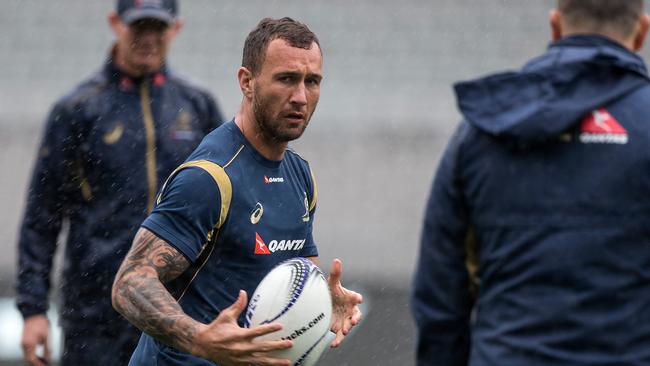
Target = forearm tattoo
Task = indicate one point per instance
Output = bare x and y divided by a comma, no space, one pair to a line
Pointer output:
140,296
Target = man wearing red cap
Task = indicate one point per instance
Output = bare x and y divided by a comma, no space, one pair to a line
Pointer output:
106,147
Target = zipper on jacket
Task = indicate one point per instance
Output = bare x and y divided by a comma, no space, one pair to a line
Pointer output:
82,181
150,133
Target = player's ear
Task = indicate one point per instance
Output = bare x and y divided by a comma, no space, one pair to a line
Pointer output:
555,21
245,78
641,32
177,26
115,22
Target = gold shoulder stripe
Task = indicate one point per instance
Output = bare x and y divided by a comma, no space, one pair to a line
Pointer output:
220,178
223,182
314,194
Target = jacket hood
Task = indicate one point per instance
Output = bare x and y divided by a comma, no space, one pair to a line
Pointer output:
552,92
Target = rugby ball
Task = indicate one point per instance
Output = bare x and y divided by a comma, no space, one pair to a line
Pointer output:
294,293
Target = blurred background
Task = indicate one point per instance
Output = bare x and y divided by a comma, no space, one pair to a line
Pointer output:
385,114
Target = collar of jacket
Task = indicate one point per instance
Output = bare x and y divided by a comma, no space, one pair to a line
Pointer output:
127,82
592,48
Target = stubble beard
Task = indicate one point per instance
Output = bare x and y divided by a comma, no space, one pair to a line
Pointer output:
271,129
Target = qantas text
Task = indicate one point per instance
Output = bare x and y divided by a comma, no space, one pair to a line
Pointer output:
275,245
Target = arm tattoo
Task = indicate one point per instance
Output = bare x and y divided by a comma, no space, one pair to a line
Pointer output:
140,296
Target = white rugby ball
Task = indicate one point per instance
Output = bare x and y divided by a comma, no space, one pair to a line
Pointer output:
295,293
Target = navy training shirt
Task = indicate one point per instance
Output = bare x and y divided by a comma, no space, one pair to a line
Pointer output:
235,215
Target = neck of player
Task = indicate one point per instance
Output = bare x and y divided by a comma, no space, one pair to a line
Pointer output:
268,148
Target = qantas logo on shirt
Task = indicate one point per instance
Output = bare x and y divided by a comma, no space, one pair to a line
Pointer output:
268,180
260,246
276,246
600,127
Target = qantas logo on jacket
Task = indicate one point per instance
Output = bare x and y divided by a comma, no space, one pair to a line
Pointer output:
276,246
600,127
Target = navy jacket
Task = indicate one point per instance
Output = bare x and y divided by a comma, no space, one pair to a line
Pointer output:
106,149
535,248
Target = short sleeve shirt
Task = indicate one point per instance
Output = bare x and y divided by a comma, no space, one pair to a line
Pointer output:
234,215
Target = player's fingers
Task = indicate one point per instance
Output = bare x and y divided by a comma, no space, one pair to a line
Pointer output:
28,344
232,312
46,353
347,325
356,316
335,272
357,297
29,353
27,349
32,359
338,339
261,330
268,346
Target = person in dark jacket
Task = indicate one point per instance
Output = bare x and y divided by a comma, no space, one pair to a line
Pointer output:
106,148
535,245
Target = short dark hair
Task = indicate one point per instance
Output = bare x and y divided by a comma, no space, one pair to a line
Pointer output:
619,16
293,32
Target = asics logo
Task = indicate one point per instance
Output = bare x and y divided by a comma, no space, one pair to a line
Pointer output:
257,213
114,134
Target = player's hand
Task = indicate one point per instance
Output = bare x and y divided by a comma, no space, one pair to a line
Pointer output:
345,305
35,333
225,342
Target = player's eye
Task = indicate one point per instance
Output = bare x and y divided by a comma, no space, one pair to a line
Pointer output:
286,79
312,82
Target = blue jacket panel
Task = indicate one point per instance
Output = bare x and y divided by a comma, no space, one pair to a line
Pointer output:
546,184
107,147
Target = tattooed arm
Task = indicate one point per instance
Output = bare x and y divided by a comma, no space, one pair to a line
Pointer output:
140,296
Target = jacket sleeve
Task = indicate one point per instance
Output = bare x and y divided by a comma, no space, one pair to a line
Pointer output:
442,300
47,198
